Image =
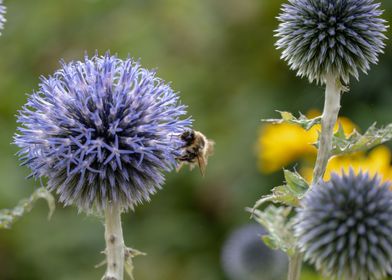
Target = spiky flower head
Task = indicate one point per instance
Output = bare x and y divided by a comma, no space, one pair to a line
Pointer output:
345,227
2,13
246,257
337,37
102,130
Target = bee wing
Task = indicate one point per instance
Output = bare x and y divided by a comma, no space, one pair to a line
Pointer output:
210,147
202,165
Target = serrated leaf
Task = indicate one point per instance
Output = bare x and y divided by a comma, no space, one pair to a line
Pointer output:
277,222
9,216
295,183
270,242
287,117
356,142
340,132
280,194
289,194
283,194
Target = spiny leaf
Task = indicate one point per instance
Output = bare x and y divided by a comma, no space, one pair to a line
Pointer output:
280,194
289,194
279,226
9,216
129,255
270,242
295,183
284,195
288,117
356,142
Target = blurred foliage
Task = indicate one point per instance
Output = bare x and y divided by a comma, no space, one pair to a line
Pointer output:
280,228
219,54
10,216
290,194
341,144
289,118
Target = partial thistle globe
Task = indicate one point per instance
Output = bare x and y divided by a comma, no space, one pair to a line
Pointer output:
102,130
3,10
244,256
337,37
345,227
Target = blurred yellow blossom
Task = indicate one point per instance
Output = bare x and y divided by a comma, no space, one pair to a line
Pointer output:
281,144
377,161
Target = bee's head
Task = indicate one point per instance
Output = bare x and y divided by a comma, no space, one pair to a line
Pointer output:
188,137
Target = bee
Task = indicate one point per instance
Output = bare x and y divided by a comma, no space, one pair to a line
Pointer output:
196,150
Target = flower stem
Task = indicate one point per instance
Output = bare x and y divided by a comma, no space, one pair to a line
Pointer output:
295,265
330,115
328,121
114,243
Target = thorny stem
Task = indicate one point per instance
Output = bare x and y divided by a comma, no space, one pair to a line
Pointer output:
328,121
295,265
114,243
330,115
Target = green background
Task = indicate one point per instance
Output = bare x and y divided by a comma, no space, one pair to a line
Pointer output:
219,55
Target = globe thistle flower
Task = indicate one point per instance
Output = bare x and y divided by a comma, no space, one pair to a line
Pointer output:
2,13
246,257
102,130
339,37
345,227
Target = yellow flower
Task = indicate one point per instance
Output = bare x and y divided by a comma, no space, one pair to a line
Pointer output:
281,144
378,161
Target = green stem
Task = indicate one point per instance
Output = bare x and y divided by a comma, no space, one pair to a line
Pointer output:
114,243
330,115
295,265
328,121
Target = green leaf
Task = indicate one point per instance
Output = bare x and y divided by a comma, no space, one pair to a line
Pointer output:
9,216
295,183
280,194
283,194
276,219
277,222
356,142
270,242
289,194
287,117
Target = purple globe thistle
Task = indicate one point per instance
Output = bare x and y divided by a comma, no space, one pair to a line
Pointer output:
246,257
345,227
3,10
102,129
339,37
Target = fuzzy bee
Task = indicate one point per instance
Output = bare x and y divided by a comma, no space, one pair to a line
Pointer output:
196,150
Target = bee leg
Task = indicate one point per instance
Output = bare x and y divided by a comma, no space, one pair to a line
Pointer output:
183,158
202,166
180,165
191,166
188,157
